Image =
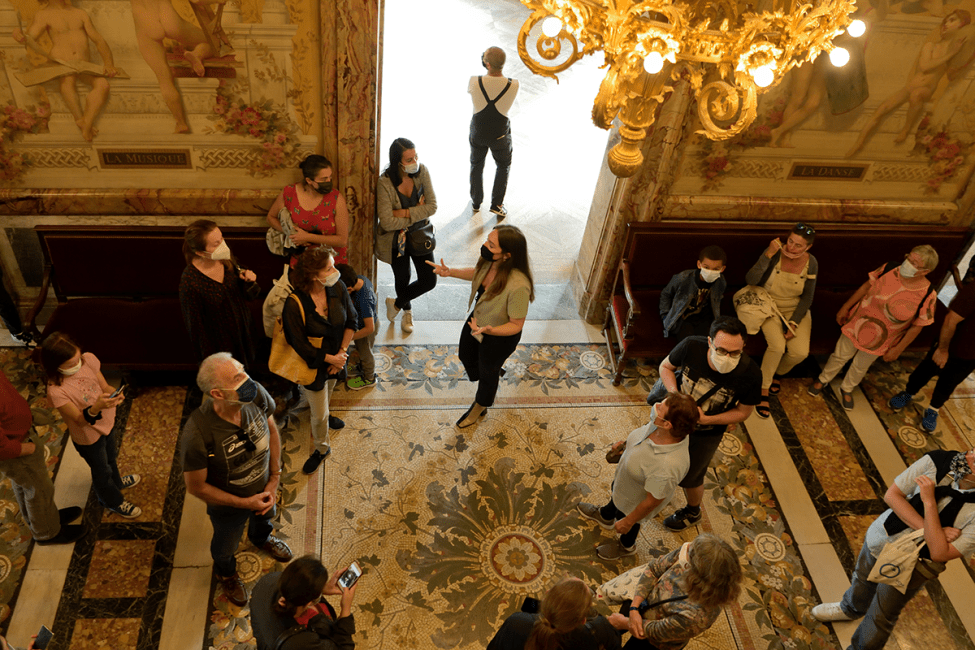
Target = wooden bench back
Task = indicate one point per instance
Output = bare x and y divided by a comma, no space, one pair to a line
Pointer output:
138,262
846,253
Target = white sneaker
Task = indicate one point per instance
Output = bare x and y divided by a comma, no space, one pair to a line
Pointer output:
407,321
391,309
829,612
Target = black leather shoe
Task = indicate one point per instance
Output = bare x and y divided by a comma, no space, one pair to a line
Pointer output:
67,515
314,461
334,423
67,535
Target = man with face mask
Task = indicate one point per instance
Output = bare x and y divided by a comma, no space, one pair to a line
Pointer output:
881,319
231,455
492,94
654,459
726,384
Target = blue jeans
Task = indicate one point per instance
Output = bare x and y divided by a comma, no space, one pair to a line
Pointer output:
879,604
101,457
228,524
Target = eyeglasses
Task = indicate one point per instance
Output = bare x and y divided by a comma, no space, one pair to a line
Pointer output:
734,354
803,229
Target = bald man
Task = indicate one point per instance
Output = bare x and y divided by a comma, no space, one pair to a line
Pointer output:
492,94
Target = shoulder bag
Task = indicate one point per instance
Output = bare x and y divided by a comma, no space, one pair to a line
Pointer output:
896,561
284,361
421,238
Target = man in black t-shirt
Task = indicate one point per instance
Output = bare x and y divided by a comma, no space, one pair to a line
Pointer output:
231,454
726,383
951,358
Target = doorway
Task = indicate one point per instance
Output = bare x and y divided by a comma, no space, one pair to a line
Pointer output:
428,59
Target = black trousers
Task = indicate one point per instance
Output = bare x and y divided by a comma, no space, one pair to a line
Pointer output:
501,152
949,377
8,310
610,511
483,361
425,281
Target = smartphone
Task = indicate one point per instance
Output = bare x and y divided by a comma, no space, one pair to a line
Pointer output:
43,638
350,576
117,391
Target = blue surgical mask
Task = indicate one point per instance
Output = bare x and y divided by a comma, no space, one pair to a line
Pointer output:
246,392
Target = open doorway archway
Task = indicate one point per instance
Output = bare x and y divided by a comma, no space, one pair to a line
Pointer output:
428,59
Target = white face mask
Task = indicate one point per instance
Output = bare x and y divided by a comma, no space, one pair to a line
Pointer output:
907,270
329,280
710,276
67,372
222,252
412,169
723,363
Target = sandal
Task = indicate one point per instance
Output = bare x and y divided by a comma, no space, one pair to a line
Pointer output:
775,388
763,409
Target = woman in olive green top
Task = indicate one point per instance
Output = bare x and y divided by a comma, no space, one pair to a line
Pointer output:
501,288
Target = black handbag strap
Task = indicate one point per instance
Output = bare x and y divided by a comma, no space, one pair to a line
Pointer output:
644,607
287,634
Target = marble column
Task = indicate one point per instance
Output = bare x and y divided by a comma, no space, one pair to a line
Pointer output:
618,201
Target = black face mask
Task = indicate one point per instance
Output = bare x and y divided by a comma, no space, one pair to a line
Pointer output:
324,187
486,253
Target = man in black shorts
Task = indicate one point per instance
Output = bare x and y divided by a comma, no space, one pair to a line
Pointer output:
726,384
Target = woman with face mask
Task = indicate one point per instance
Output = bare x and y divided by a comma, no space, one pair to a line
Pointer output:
78,390
404,197
501,288
317,209
788,272
319,321
211,295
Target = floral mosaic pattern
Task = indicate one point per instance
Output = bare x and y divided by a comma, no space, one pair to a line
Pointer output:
13,122
546,367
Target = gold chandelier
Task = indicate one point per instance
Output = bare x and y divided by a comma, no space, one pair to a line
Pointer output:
728,51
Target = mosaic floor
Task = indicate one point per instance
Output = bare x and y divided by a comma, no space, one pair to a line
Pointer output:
454,528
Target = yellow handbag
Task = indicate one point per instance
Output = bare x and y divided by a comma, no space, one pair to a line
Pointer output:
284,361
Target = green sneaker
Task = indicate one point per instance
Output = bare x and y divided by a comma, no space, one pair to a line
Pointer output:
358,383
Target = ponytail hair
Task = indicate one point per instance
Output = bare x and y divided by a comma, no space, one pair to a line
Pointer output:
563,609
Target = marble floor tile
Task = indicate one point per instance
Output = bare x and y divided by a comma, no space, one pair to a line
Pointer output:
790,491
824,445
37,603
831,581
119,569
185,619
99,633
875,438
195,532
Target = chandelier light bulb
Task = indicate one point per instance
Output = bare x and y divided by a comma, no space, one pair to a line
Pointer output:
653,63
839,57
856,28
551,27
763,76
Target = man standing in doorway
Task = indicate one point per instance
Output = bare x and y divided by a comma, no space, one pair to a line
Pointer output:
492,94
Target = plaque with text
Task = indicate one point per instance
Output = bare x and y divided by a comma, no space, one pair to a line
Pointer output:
828,171
145,158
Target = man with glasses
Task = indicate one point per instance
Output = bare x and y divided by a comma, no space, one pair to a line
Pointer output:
231,454
726,384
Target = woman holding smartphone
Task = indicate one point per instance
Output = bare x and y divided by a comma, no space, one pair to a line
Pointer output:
294,597
78,390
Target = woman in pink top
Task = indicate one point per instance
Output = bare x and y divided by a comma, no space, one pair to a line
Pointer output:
78,390
317,209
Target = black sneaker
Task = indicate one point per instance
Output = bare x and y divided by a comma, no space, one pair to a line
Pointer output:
315,460
500,211
67,535
682,518
67,515
335,423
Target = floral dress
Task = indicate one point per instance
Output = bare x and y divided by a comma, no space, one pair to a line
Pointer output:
320,221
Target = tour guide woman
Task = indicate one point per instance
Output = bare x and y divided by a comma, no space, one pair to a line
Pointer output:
501,288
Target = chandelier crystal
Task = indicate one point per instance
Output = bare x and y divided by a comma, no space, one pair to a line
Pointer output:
728,51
